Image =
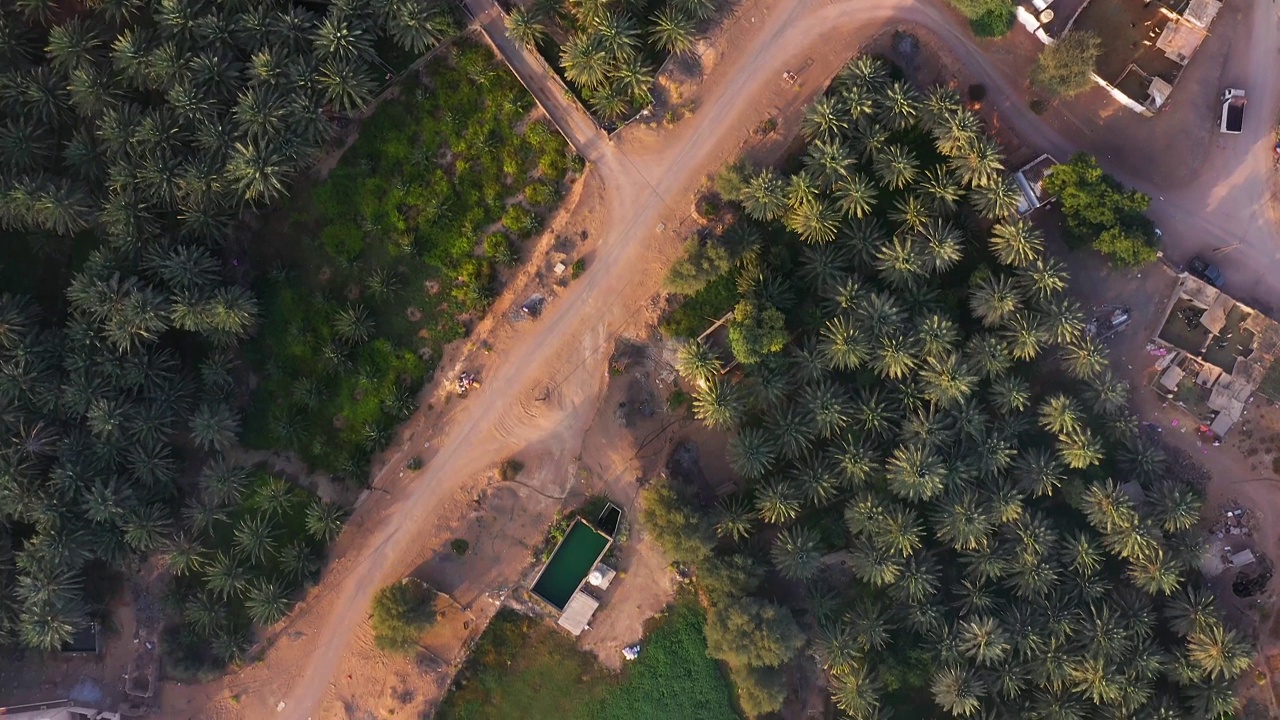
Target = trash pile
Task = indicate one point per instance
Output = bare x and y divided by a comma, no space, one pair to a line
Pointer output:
1233,521
467,381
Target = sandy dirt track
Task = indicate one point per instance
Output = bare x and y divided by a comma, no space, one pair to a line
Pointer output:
648,179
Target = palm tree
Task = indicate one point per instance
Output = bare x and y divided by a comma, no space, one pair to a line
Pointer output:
718,404
1084,358
988,354
1044,278
948,380
185,556
940,102
672,31
856,691
525,27
259,171
734,518
827,403
900,531
342,37
752,452
1060,414
802,189
915,472
843,344
793,429
214,426
1175,505
899,105
823,266
764,195
943,244
828,161
297,562
957,132
896,167
983,640
1219,651
1016,243
938,335
204,613
698,363
352,324
871,136
416,26
146,528
225,577
940,185
266,602
855,195
896,355
777,502
585,62
324,521
994,298
797,553
981,165
1080,449
998,200
254,536
958,691
1025,334
874,564
962,521
634,79
901,262
223,482
814,222
1038,471
863,71
697,9
1191,611
911,211
346,84
825,119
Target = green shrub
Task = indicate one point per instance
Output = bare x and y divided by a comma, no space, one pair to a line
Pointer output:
400,613
343,240
700,264
993,22
459,546
698,311
756,330
1102,212
497,247
1066,67
541,194
520,220
414,464
578,267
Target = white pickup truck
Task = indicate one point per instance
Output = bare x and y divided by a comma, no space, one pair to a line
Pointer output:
1232,111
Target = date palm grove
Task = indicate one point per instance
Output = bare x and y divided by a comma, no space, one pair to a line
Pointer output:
134,134
940,422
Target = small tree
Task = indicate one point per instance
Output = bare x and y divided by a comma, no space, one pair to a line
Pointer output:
757,329
1102,212
685,535
701,263
760,691
400,613
754,632
1065,67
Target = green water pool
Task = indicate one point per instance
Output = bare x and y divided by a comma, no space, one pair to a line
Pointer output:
572,560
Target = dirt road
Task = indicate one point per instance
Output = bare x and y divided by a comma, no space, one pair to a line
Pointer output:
648,180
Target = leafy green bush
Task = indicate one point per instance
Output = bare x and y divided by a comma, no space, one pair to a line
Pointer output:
698,311
1066,67
541,194
520,220
497,247
343,240
400,613
987,18
459,546
993,22
578,267
757,330
700,264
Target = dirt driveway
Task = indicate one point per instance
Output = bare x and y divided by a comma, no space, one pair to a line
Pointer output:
544,381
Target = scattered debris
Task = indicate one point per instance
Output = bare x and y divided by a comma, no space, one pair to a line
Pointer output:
631,652
467,381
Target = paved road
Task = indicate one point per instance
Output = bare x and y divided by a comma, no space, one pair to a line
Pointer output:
644,184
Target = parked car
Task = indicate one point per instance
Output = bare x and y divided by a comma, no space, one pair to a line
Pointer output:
1232,111
1206,271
